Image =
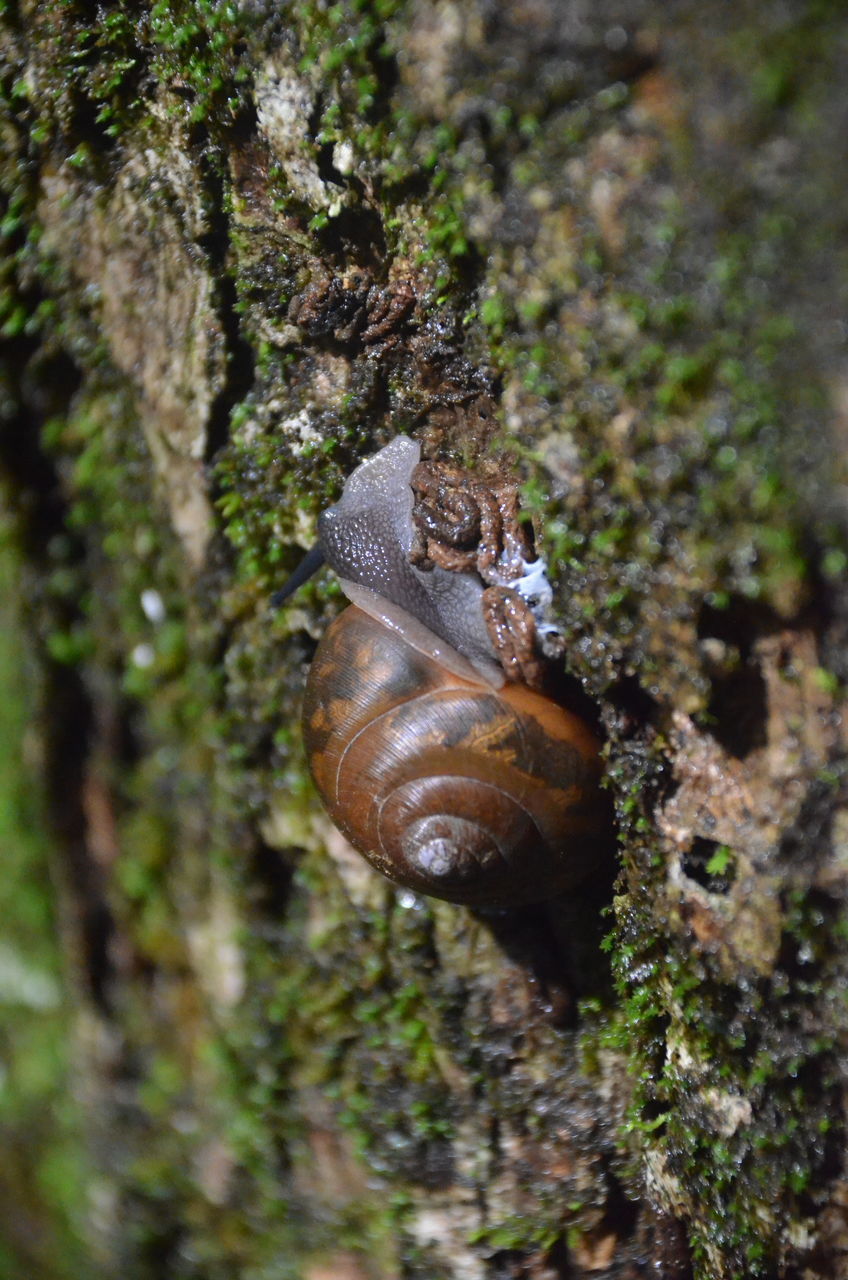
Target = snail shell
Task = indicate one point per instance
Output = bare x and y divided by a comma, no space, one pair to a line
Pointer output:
448,786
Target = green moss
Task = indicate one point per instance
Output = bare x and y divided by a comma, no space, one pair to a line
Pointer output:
747,1186
201,45
97,71
517,1234
663,365
747,1040
45,1173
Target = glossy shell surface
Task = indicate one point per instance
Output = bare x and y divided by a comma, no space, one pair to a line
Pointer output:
450,788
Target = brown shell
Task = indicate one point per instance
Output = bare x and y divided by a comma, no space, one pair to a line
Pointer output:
482,796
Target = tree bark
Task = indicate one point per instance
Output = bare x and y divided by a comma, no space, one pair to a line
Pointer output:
245,246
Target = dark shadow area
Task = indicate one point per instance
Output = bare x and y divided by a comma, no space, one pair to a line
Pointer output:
710,864
270,880
45,388
631,707
558,942
737,711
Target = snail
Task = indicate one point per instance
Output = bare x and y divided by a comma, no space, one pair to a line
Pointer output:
451,780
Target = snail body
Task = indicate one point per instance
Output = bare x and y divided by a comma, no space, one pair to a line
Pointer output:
448,786
367,537
448,778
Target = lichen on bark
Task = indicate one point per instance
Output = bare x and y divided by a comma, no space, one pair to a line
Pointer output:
247,244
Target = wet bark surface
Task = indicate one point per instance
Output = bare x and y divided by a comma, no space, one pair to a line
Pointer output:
604,247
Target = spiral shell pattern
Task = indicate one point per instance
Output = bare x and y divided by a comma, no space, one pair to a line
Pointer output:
453,789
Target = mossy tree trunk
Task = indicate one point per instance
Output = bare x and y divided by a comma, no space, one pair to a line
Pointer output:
247,244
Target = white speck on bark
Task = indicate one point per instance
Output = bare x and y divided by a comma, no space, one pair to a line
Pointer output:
284,104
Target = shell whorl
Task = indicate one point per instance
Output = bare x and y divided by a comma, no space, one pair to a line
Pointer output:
447,786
